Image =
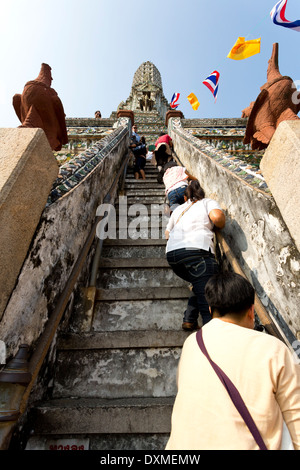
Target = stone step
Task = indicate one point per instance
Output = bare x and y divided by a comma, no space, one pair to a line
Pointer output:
143,293
134,206
145,186
150,232
150,179
122,339
109,278
146,200
101,442
149,168
141,209
136,309
129,315
133,251
116,372
92,416
119,263
145,193
139,242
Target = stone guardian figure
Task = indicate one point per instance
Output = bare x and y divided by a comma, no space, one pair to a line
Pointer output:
39,106
278,101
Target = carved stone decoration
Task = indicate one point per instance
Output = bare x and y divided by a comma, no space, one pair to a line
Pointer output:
278,101
40,107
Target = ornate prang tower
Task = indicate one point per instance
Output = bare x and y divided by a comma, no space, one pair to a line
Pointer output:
146,94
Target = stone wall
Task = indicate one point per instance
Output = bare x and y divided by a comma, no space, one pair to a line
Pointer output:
281,169
255,229
28,170
63,228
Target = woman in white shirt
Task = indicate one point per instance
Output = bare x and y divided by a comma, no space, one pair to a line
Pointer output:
190,250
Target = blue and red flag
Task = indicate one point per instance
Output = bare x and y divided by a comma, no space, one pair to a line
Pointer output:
212,83
174,100
278,16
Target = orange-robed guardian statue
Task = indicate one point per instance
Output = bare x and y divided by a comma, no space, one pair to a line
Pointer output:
278,101
39,106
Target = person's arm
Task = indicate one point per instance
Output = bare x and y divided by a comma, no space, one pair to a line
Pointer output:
287,392
169,226
217,217
190,177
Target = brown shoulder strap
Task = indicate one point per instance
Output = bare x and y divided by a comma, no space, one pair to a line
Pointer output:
234,395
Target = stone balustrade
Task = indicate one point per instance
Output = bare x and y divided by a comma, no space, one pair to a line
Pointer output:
255,228
63,226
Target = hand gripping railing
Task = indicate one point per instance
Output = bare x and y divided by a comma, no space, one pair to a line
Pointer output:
18,377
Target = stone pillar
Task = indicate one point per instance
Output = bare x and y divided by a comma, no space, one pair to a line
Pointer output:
28,169
173,113
280,166
126,113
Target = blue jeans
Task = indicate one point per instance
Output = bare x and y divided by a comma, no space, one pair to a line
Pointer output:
176,196
196,267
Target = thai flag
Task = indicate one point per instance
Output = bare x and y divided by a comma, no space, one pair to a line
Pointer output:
278,16
174,100
212,83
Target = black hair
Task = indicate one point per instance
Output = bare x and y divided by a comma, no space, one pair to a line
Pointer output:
169,165
194,191
229,292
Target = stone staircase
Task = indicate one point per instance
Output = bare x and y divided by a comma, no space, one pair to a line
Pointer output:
115,383
150,125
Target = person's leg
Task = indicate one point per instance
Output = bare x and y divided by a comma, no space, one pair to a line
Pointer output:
176,196
191,314
190,266
142,164
199,283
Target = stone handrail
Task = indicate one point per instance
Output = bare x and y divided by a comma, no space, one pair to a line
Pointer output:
62,229
255,229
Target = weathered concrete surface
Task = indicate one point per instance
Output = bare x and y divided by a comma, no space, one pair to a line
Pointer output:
166,314
103,416
151,277
255,231
62,231
117,373
115,441
281,169
28,170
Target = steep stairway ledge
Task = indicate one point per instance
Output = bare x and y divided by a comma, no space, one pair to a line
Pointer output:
101,416
122,339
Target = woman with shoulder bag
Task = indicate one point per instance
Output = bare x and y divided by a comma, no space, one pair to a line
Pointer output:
190,250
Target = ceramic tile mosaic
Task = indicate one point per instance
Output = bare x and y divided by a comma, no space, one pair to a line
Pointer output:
244,164
78,167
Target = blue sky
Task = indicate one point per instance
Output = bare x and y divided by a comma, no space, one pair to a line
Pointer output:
94,48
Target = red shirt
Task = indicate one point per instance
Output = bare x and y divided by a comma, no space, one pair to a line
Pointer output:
166,139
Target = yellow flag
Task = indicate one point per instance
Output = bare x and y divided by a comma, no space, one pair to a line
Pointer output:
243,49
194,101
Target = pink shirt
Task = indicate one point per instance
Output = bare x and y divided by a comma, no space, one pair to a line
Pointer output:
174,177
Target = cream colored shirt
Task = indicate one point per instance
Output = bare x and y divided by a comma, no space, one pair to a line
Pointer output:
266,375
